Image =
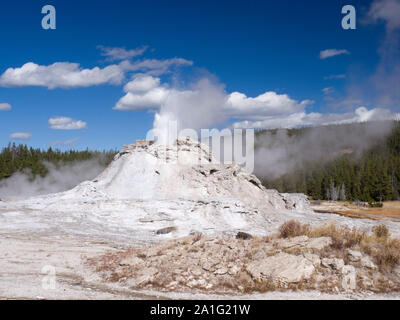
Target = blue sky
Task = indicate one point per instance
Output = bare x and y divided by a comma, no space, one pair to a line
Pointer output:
248,47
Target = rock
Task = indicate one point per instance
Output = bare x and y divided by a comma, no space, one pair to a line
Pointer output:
319,243
243,235
313,258
165,230
304,242
349,278
333,263
366,262
353,255
296,201
282,267
291,243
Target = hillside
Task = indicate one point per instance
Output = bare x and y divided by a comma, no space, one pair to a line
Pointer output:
344,162
20,158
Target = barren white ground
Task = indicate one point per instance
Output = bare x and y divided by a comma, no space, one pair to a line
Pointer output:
144,190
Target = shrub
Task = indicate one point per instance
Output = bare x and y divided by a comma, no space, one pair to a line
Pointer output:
386,258
341,237
293,228
375,204
381,231
387,255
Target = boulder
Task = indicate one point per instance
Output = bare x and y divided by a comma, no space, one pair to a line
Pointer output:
366,262
313,258
304,242
291,243
166,230
282,267
354,255
319,243
243,235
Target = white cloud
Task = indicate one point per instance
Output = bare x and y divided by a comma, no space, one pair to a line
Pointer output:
65,123
146,92
387,11
142,83
328,53
21,135
154,66
60,75
115,53
239,106
152,99
5,106
143,92
206,104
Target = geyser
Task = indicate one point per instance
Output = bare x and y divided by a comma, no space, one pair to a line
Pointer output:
182,187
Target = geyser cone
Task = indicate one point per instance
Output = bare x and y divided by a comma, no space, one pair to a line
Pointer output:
185,170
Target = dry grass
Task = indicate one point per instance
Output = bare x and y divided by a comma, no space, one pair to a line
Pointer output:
387,254
381,231
342,237
293,228
384,250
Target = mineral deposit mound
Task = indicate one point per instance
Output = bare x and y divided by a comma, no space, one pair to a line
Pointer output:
151,191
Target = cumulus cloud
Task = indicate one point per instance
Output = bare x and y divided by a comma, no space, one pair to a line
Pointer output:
21,135
5,106
65,123
328,53
120,53
143,92
239,106
154,66
147,92
60,75
206,103
142,83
